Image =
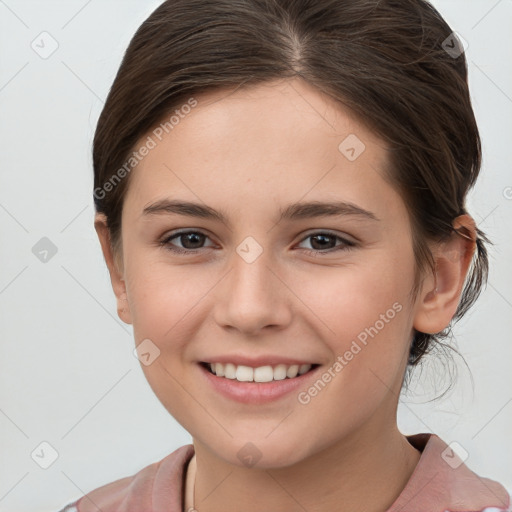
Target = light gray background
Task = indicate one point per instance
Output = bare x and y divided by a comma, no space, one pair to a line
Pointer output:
68,375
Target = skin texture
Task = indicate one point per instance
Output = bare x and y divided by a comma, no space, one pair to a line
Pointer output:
249,153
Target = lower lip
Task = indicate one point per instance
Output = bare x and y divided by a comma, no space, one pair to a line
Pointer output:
256,392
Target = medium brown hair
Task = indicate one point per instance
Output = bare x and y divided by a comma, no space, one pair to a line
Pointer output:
387,60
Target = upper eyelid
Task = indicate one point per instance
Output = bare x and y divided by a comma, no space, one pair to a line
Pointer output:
169,236
345,236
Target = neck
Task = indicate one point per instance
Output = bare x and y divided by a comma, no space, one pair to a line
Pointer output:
365,472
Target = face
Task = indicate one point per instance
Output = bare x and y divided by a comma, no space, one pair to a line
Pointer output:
326,286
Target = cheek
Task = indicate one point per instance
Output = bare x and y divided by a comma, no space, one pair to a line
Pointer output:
162,297
365,313
350,298
165,302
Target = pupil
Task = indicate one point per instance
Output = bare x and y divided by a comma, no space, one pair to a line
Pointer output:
321,237
190,237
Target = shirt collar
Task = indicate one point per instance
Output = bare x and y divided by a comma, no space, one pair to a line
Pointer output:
441,481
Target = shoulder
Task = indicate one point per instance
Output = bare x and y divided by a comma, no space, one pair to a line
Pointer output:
503,508
442,481
494,509
486,509
135,492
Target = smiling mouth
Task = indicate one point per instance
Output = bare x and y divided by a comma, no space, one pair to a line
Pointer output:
261,374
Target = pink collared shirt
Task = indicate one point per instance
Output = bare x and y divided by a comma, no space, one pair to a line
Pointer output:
441,482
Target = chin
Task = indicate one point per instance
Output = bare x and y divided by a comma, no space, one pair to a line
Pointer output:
261,453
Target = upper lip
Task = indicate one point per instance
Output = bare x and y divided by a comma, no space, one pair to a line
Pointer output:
256,362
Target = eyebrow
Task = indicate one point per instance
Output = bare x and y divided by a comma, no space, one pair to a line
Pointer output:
294,211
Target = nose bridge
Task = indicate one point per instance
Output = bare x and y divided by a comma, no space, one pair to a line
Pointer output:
251,267
252,297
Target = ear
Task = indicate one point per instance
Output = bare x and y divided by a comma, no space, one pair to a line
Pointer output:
440,293
114,267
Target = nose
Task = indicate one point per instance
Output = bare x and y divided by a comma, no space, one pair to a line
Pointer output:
252,297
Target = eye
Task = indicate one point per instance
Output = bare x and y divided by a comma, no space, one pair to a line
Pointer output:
191,241
322,243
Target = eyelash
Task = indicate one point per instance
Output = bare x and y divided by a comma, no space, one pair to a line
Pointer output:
345,246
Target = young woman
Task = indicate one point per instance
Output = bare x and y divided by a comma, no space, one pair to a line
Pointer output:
280,192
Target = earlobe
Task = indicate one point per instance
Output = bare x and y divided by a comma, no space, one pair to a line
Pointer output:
115,270
441,292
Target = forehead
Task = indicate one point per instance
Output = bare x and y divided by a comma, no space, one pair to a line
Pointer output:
267,141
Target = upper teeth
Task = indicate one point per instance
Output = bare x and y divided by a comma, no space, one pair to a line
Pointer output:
260,374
